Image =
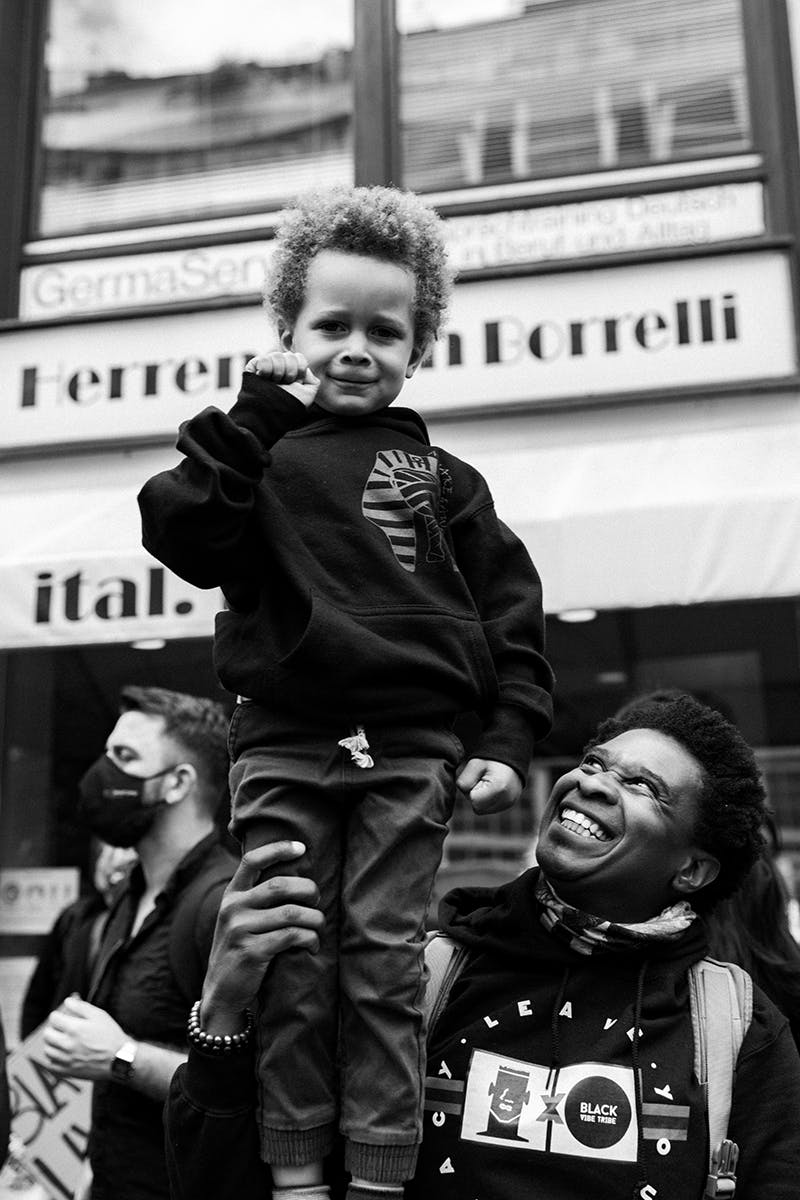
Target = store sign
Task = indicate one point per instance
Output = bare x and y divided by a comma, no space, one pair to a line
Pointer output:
32,897
583,228
612,331
64,289
50,1119
99,598
615,225
710,321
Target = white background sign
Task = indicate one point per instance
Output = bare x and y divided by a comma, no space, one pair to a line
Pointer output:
15,975
62,289
99,596
50,1119
32,897
534,338
689,217
693,217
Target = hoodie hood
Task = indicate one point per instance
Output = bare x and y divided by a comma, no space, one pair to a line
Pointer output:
506,921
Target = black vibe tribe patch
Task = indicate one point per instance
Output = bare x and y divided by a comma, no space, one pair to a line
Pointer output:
586,1110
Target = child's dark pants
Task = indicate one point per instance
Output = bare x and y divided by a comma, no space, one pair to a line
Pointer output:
374,841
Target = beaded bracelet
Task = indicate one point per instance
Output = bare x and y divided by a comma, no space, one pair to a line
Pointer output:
227,1043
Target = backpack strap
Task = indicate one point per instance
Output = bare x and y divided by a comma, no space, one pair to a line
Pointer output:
444,960
721,1002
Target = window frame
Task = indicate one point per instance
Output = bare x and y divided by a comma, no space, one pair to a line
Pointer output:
22,36
775,160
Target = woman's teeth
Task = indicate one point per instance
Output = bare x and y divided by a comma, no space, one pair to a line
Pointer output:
579,823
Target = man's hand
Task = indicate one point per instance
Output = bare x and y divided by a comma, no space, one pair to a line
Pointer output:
491,786
288,369
255,922
81,1040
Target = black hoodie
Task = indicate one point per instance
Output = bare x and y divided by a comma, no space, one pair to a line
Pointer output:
367,574
532,1066
523,1004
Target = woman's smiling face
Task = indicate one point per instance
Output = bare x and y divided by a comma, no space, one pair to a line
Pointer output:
617,836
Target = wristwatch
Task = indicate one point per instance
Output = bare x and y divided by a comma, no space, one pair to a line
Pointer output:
122,1064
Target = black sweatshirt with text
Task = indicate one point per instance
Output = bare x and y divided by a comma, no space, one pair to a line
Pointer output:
530,1089
533,1070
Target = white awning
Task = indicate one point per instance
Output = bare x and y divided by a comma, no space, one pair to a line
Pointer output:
614,518
73,572
651,520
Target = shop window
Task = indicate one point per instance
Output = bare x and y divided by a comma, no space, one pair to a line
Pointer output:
741,657
207,110
502,91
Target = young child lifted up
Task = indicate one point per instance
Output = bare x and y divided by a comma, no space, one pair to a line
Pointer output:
373,596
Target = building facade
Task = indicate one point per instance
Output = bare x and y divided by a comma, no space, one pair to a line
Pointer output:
620,185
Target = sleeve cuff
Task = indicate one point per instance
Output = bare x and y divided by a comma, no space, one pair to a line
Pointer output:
218,1083
266,410
510,734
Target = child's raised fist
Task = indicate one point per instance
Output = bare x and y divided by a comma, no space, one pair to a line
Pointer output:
291,371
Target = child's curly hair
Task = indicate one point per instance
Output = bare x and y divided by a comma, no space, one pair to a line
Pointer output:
380,222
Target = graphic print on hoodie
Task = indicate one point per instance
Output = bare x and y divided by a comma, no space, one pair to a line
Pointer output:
402,497
532,1067
588,1109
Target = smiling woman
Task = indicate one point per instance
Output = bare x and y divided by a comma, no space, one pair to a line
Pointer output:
618,835
561,1063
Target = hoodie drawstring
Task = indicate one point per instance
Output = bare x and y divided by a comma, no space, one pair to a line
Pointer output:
555,1040
639,1189
555,1062
357,745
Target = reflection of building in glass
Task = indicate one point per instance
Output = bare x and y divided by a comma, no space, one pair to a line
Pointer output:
127,148
559,89
572,87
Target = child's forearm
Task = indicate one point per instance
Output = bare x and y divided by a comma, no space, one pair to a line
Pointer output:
195,517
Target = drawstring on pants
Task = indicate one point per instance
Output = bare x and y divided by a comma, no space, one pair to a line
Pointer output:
357,746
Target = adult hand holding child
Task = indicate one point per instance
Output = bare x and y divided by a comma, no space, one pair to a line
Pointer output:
257,921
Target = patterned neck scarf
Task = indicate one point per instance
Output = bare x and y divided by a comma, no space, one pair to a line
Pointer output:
589,935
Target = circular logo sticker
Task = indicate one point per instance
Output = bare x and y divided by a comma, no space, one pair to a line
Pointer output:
597,1112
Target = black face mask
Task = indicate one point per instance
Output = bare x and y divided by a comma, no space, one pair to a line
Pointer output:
112,803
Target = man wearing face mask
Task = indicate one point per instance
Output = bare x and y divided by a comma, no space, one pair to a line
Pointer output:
156,788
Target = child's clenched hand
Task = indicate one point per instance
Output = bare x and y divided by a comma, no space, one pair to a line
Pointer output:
491,786
288,369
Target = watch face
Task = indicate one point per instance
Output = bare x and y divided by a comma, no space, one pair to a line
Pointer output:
122,1063
121,1070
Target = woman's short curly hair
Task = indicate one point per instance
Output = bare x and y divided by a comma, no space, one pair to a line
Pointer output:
732,803
380,222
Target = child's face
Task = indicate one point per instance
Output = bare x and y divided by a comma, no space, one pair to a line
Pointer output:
356,328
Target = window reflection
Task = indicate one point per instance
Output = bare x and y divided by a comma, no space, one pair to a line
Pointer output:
173,110
496,91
